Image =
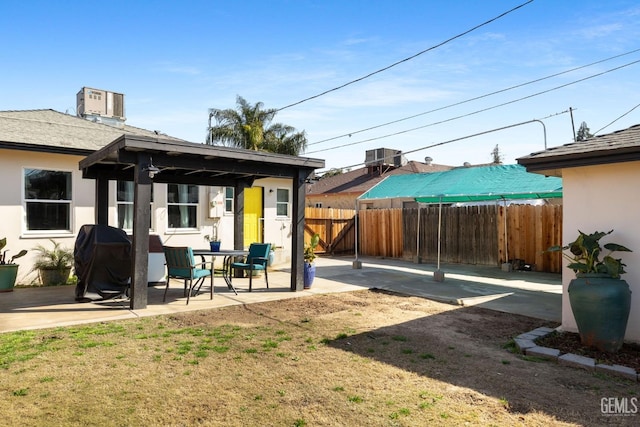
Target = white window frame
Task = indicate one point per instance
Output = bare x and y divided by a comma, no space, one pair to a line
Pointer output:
287,203
130,203
229,199
187,204
26,201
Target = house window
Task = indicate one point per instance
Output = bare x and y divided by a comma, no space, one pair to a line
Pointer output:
282,202
124,198
182,206
228,200
47,195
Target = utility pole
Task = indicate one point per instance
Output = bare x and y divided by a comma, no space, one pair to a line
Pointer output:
573,126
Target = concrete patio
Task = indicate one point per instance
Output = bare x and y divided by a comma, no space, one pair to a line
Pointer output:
531,294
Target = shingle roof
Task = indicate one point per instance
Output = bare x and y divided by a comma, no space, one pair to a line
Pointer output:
360,180
52,129
620,146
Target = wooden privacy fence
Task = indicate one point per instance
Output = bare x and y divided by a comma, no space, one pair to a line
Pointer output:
469,235
336,228
531,230
381,232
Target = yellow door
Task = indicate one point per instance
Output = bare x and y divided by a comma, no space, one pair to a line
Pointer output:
252,215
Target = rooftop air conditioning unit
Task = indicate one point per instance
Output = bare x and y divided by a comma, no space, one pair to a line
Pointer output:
385,156
97,102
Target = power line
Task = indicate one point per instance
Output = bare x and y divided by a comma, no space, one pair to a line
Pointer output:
474,99
406,59
615,120
437,144
478,111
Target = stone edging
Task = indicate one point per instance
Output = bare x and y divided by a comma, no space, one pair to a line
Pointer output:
526,344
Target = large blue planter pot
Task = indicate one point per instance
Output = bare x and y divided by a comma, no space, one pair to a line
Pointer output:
309,274
8,274
600,305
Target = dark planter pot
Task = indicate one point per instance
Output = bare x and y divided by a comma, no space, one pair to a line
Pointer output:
8,274
215,246
600,305
54,277
309,274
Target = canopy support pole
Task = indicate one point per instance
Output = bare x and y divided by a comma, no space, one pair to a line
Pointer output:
417,258
438,275
506,265
357,264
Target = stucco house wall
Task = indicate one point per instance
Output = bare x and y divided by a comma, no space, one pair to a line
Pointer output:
13,227
600,177
277,230
601,198
334,201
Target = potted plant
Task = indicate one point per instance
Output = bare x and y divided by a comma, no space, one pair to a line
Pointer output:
272,254
309,257
53,265
214,242
8,270
600,300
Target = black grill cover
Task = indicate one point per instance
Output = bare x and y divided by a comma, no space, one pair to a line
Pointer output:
102,262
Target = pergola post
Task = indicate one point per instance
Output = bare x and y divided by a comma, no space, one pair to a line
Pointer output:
140,245
297,236
102,201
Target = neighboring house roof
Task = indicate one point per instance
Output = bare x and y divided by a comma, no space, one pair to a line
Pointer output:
468,184
52,131
360,180
615,147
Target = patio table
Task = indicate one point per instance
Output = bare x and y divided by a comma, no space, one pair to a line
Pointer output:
228,255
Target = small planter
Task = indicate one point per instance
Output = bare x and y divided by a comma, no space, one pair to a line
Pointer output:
215,246
309,274
600,305
8,274
54,277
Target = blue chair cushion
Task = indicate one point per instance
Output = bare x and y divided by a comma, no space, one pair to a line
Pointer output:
245,266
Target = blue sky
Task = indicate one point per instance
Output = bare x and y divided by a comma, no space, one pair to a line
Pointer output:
174,60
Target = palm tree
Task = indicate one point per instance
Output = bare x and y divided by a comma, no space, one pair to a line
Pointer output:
249,126
284,139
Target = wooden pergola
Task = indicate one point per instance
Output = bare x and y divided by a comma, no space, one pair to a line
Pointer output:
146,160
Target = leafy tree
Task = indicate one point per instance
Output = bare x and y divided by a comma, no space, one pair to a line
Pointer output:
583,132
496,155
333,172
250,127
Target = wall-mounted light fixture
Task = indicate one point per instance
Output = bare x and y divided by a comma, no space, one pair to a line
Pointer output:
151,169
271,190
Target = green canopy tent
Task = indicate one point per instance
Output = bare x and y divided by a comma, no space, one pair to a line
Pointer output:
466,184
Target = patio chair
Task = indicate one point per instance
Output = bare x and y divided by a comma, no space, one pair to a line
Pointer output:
256,260
181,264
